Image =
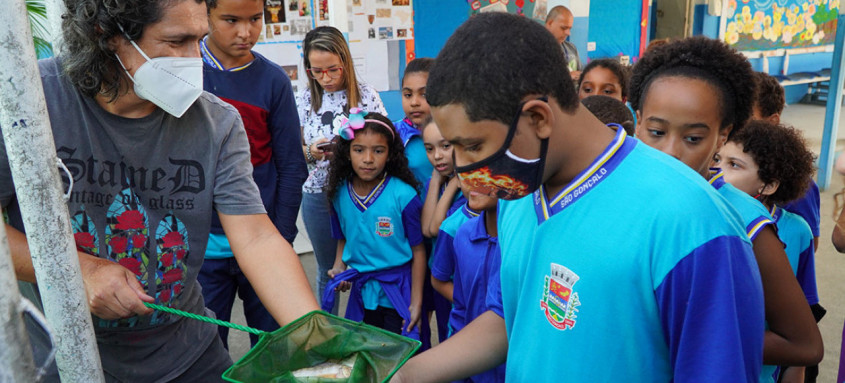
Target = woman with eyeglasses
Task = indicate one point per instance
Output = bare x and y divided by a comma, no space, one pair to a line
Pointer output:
332,90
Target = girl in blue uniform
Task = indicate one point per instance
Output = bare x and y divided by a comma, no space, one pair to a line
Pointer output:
772,164
375,218
443,198
443,195
416,113
691,95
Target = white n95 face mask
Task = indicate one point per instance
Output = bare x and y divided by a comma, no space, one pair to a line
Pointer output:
171,83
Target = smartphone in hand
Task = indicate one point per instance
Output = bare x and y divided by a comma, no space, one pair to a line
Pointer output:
327,146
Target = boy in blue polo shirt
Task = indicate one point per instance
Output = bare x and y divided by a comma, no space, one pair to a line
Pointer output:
443,258
468,264
673,295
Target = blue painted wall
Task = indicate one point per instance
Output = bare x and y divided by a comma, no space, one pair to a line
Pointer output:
615,28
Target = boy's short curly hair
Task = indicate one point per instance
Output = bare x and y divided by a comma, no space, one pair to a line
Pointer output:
768,94
702,58
493,61
781,154
622,73
610,111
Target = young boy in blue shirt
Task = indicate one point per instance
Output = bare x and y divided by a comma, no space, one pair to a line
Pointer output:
261,92
674,295
466,265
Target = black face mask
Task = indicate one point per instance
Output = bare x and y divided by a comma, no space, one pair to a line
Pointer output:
504,175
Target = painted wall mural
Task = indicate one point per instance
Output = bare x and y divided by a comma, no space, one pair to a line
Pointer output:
755,25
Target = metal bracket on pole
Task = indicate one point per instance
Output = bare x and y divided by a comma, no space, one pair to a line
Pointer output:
834,105
16,364
32,157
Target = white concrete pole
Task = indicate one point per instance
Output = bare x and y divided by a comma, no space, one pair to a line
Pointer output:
55,10
32,157
16,365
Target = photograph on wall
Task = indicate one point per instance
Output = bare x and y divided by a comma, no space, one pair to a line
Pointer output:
300,27
324,10
292,71
385,33
274,12
762,25
401,2
303,7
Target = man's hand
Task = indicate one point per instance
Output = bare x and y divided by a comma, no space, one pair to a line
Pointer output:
113,291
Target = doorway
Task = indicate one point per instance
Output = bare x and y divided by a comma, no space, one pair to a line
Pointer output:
672,19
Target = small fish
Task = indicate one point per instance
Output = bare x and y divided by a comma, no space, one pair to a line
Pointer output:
328,369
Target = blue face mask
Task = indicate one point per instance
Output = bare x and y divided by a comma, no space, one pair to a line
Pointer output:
503,175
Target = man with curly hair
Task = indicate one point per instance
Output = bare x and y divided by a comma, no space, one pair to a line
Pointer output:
151,155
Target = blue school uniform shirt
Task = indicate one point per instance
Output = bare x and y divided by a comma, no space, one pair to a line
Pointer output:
379,230
753,214
673,292
808,208
414,149
477,262
797,238
443,257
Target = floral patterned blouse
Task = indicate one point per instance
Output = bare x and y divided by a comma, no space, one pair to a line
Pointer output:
316,125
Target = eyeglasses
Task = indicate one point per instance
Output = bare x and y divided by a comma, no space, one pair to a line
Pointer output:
317,73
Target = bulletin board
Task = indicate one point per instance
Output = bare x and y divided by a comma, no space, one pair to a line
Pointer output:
762,25
374,26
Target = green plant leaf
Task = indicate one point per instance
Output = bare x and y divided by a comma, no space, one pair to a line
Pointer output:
37,12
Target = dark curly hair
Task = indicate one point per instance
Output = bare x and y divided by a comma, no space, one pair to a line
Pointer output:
490,79
87,28
622,73
781,154
340,166
610,111
768,95
419,65
702,58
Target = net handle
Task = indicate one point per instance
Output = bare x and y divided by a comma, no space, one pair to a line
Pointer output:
204,318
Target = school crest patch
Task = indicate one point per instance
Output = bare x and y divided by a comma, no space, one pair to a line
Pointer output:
560,302
384,227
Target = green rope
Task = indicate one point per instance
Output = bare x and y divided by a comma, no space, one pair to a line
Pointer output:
204,318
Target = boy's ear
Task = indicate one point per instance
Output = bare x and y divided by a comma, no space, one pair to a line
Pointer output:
773,118
770,188
542,118
723,135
